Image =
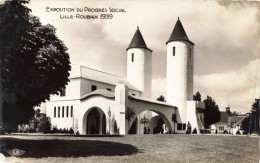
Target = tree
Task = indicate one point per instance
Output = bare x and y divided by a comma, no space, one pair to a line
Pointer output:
37,113
13,20
45,124
211,113
34,66
197,96
255,115
161,98
109,119
130,114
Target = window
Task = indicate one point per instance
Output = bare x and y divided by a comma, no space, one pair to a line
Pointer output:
62,111
54,112
93,87
133,94
221,128
67,114
173,51
133,57
108,89
63,92
179,126
58,112
190,52
71,111
184,126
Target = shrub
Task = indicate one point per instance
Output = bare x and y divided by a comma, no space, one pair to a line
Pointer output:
32,130
194,131
225,132
20,128
238,132
71,131
26,128
45,125
116,130
54,130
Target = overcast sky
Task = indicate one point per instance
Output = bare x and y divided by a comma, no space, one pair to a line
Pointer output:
226,37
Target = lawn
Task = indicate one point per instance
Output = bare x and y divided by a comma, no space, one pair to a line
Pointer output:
134,148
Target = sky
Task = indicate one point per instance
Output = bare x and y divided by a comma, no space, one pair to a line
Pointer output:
225,33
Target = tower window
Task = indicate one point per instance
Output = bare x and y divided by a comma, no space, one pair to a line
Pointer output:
93,87
173,51
133,57
190,52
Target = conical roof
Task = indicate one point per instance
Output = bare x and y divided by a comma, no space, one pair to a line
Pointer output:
138,41
178,33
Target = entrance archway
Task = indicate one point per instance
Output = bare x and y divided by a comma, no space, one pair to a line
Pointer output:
147,121
95,121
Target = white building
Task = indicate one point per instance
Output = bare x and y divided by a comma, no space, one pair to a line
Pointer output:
93,98
229,124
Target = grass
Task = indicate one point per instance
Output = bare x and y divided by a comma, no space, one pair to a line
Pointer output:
134,148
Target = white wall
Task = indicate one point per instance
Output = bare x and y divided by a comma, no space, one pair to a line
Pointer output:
179,88
85,86
72,91
139,72
62,122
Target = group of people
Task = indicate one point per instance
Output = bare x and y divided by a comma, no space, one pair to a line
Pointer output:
147,130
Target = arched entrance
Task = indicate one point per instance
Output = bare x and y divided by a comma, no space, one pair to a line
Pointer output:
149,122
95,121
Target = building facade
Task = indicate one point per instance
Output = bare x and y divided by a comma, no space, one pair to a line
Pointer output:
96,102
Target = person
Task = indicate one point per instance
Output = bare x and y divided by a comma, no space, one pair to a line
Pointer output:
145,130
148,132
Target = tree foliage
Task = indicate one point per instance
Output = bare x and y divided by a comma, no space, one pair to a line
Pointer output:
197,96
35,63
211,113
45,124
256,113
130,114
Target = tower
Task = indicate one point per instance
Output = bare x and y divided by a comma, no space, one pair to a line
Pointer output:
180,59
139,64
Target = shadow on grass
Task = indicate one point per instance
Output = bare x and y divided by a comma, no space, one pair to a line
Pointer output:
66,148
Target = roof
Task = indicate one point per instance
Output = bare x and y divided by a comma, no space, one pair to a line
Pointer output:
238,119
178,33
223,119
150,101
138,41
101,92
103,77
